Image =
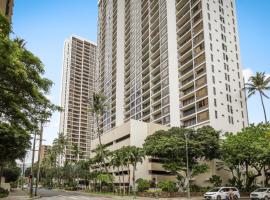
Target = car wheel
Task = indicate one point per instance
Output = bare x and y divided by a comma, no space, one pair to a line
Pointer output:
266,198
218,197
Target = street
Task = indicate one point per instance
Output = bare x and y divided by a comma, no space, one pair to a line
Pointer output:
61,195
54,195
70,195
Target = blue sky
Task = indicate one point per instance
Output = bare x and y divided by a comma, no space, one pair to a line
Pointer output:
45,24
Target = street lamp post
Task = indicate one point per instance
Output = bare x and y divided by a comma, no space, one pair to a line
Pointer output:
39,157
32,165
188,188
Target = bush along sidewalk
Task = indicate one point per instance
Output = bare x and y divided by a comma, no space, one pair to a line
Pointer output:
3,193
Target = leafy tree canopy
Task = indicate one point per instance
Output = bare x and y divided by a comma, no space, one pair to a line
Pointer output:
247,149
11,173
203,144
23,90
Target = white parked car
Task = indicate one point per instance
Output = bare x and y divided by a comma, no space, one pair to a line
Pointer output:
260,194
220,193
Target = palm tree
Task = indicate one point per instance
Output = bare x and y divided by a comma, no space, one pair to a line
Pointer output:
259,83
60,143
128,159
102,154
116,163
97,109
123,163
137,156
76,152
21,42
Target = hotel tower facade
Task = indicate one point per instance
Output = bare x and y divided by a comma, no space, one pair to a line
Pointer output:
173,63
76,122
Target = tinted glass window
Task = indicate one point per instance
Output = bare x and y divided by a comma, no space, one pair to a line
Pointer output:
261,190
214,190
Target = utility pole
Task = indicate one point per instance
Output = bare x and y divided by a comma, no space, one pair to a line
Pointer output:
39,157
32,164
22,174
188,189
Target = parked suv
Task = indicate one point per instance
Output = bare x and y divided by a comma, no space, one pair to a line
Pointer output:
260,193
220,193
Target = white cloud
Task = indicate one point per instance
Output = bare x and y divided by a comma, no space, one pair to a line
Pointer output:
247,73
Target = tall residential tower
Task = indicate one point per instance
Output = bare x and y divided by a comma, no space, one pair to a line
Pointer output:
79,64
174,62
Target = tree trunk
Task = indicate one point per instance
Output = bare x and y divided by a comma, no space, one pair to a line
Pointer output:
128,179
265,117
133,179
119,179
100,143
1,173
123,179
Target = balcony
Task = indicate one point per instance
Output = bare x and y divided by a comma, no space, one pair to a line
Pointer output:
183,31
201,105
198,28
187,91
201,93
200,82
187,80
197,18
199,60
189,111
199,49
184,61
186,70
196,8
184,40
189,122
188,101
198,39
200,71
203,116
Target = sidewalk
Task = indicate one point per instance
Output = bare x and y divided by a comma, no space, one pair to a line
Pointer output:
17,194
147,198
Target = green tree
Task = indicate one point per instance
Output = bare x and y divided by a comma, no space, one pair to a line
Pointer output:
116,163
216,181
59,146
23,101
11,172
143,185
76,152
98,108
259,83
169,146
137,156
167,186
248,151
101,155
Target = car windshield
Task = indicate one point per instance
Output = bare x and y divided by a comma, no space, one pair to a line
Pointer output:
214,190
261,190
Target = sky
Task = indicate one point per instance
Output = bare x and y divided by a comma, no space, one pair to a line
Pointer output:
45,24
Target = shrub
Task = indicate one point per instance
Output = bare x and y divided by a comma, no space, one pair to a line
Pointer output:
196,188
167,186
143,185
3,193
216,181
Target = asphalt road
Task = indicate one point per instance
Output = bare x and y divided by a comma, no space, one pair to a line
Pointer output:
63,195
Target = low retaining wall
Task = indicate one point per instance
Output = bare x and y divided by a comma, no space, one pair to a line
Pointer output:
179,194
169,194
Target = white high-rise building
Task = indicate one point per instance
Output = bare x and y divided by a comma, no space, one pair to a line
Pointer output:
76,122
171,62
